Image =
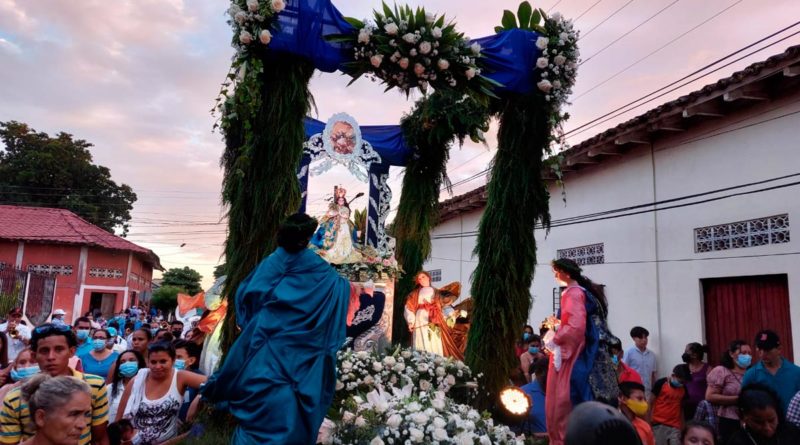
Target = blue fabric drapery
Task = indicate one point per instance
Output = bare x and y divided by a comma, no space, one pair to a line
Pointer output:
279,376
386,140
509,57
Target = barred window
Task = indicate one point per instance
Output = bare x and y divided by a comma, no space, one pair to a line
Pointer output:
584,255
737,235
104,272
436,275
50,269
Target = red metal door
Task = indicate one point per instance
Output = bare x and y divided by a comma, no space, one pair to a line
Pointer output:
738,307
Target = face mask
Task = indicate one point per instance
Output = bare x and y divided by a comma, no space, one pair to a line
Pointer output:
82,334
129,369
744,360
638,407
533,350
153,332
176,334
526,336
615,360
686,357
180,364
24,373
675,383
99,344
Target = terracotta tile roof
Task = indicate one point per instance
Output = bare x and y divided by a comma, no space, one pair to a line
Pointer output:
47,225
673,109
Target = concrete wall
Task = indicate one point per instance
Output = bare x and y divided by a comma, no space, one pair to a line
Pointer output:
651,271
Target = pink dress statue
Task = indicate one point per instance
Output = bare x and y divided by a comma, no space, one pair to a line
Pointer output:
570,338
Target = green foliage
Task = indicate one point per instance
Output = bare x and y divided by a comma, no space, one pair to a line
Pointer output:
43,171
360,220
264,137
186,278
166,298
527,18
436,122
220,270
506,248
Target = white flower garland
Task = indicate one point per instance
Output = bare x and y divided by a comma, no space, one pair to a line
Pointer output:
251,20
557,67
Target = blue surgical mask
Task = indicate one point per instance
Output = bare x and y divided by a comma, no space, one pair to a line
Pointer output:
180,364
675,383
24,373
82,334
744,360
98,344
533,350
128,369
615,360
526,336
154,331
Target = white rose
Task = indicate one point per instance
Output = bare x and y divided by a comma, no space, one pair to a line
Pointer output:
252,5
394,420
376,61
339,385
440,434
389,360
556,16
419,69
376,441
470,73
362,355
438,422
369,380
473,415
413,407
278,5
419,418
240,17
465,438
563,36
406,354
429,17
476,48
556,84
391,29
363,36
450,380
410,38
559,60
233,10
438,404
346,366
436,33
265,37
542,42
413,52
245,37
542,62
425,47
469,425
443,64
348,417
377,366
404,65
416,435
545,85
424,385
360,421
485,440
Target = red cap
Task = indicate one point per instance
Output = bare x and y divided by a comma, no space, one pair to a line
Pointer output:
629,375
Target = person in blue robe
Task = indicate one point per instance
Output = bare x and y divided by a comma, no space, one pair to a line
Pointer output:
278,378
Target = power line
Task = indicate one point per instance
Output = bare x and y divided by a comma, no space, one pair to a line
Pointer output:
554,5
606,19
586,10
629,32
615,75
588,125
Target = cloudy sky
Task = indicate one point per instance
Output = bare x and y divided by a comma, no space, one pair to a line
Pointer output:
137,78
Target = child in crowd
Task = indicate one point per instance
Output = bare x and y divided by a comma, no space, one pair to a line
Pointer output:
633,405
667,399
696,433
641,359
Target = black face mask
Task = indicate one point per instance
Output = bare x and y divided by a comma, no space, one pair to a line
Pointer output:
176,334
686,357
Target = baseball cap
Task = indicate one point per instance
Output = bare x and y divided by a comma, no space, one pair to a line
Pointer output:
59,312
632,380
767,340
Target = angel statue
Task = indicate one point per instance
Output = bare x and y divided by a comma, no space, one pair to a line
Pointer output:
426,319
336,237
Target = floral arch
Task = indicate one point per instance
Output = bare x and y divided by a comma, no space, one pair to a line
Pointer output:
522,74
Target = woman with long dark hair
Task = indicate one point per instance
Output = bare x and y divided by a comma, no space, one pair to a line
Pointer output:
127,365
694,356
724,385
578,327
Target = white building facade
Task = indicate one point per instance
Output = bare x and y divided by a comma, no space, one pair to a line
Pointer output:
704,252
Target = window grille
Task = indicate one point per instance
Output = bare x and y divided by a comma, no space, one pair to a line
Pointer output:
584,255
737,235
103,272
436,275
50,269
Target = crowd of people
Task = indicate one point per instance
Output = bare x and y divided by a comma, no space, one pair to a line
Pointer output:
132,379
751,398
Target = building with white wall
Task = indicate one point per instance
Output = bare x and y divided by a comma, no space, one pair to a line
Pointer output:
683,213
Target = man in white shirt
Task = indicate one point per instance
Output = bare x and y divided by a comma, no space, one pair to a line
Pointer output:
17,333
641,359
58,317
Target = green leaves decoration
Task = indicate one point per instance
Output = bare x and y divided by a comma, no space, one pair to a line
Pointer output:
527,18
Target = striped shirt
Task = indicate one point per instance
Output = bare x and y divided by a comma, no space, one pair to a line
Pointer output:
15,419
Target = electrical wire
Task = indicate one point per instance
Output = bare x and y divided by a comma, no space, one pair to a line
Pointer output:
605,20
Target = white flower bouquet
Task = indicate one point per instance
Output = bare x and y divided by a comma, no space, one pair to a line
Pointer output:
251,18
417,49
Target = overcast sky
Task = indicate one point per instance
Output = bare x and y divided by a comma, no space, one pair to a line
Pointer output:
137,79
